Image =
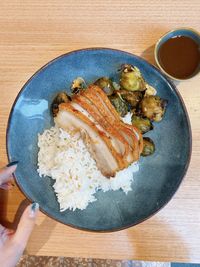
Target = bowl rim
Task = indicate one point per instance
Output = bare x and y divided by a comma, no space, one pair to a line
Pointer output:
156,48
115,229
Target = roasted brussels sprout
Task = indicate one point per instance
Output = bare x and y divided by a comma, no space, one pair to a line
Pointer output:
105,84
148,147
120,105
77,85
143,124
133,98
131,78
153,107
61,97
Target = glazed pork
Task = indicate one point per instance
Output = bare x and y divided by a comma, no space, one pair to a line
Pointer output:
113,144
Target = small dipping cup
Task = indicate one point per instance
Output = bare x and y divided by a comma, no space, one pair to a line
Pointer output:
186,32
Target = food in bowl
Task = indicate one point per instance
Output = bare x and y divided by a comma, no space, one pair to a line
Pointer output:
97,138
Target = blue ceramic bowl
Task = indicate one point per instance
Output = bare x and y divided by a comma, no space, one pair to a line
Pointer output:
160,174
188,32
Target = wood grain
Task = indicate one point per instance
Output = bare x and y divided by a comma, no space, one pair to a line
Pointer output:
34,32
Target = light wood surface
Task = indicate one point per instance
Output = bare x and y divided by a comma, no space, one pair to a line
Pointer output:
34,32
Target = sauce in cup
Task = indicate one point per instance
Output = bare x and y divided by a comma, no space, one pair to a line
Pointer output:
179,56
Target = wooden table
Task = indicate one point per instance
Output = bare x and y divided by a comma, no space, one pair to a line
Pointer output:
34,32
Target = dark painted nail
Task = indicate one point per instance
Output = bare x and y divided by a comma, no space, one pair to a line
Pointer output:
34,207
12,163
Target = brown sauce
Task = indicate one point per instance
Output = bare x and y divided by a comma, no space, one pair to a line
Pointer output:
179,57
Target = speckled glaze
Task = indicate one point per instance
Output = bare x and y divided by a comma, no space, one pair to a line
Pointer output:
188,32
159,175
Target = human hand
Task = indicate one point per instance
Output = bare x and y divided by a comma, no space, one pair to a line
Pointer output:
13,243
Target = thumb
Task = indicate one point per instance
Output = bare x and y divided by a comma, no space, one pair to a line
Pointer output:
26,225
6,172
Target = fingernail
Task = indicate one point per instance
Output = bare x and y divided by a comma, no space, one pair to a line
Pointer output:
12,163
33,209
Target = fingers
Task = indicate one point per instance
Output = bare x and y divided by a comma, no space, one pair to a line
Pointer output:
26,225
6,173
13,245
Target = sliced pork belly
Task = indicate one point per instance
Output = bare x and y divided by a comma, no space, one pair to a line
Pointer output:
98,97
98,143
112,143
118,141
115,115
117,145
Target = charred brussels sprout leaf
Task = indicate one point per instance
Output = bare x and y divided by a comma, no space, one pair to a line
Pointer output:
120,105
143,124
106,85
61,97
133,98
77,85
150,90
148,147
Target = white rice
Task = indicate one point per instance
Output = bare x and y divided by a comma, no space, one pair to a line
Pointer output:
66,159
